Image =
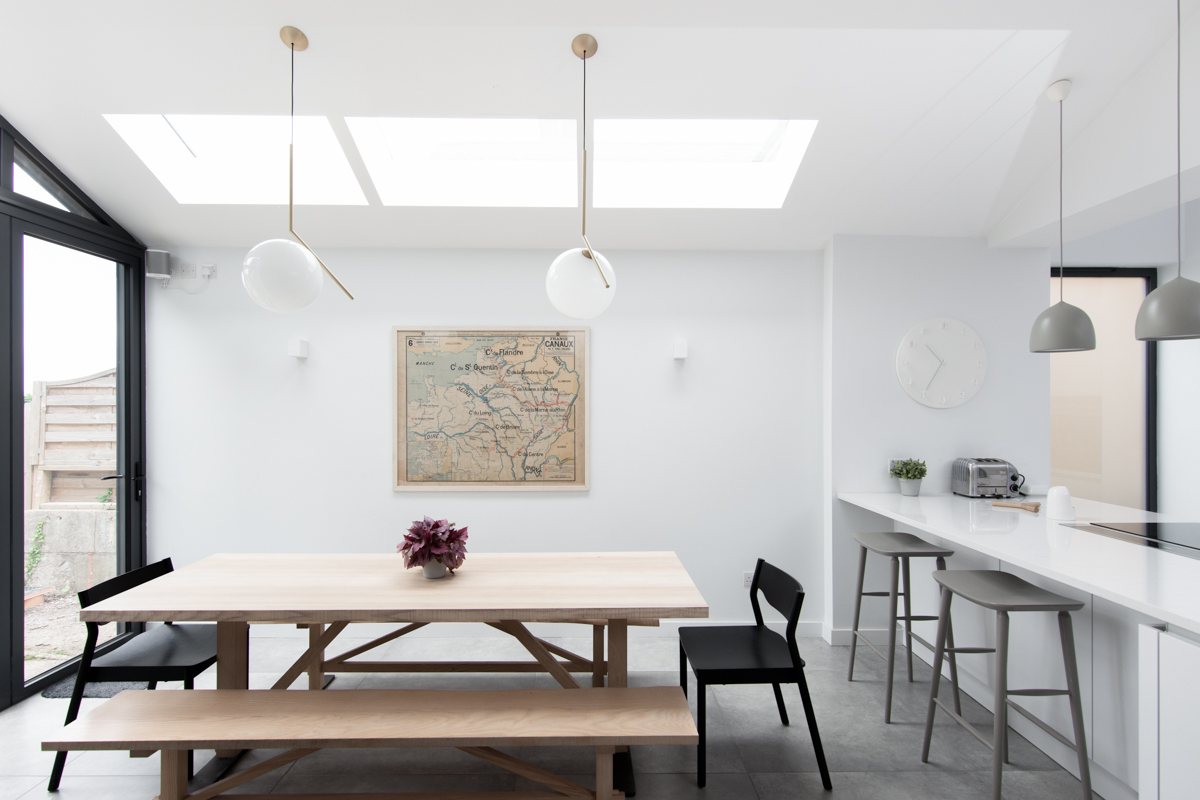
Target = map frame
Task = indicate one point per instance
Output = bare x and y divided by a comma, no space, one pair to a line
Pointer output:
400,482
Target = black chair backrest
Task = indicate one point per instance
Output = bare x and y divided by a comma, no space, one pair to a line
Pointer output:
783,592
124,582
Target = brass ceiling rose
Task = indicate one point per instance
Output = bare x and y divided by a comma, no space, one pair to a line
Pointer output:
294,38
584,45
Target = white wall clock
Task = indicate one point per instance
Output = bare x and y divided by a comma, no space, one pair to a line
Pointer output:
941,362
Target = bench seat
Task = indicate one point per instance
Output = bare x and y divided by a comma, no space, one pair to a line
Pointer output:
474,721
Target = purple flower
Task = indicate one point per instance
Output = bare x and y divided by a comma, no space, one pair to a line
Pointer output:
429,540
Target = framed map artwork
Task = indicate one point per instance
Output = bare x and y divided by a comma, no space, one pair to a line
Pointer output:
491,409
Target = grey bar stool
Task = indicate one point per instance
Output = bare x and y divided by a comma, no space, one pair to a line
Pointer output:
1004,592
899,547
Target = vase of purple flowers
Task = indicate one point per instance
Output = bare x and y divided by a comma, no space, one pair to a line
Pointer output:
435,546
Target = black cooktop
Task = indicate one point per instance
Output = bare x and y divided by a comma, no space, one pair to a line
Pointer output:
1175,537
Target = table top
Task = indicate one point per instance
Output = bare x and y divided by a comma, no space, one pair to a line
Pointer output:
1154,582
373,587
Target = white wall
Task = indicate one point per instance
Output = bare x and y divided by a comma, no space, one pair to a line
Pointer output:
717,457
1178,394
877,288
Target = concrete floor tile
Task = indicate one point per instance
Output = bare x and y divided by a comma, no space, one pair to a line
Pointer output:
97,787
13,787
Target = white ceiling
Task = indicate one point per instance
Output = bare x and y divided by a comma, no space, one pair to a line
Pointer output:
932,120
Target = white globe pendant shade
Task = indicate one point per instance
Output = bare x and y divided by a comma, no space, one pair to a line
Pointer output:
1172,311
282,275
575,287
1062,328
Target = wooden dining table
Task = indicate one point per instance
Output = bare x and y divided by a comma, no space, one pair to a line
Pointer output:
327,592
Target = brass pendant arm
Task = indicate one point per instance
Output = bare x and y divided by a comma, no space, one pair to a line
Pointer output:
292,229
583,229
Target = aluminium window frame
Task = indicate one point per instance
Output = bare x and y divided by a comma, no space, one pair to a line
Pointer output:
22,216
1150,276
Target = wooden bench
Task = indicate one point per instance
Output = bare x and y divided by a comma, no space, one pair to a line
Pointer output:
475,722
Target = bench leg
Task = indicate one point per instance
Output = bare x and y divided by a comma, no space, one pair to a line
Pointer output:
604,772
173,785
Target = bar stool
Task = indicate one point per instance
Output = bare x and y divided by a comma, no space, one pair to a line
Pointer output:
899,547
1004,592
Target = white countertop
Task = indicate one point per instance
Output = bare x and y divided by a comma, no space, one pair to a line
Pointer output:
1162,585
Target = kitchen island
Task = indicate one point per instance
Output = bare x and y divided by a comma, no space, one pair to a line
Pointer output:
1133,595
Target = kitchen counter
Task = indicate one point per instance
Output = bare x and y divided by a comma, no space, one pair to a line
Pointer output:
1153,582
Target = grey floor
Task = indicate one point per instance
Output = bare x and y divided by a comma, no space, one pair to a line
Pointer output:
750,755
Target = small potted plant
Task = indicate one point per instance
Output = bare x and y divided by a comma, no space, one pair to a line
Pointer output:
910,472
434,546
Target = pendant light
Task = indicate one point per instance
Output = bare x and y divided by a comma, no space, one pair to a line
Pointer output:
581,282
1172,311
282,275
1061,328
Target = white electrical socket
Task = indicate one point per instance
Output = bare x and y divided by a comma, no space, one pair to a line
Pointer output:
208,271
187,270
747,579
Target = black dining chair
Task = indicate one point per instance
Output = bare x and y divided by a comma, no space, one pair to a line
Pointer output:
163,653
728,654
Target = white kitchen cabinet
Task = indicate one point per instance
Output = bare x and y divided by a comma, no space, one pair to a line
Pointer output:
1169,714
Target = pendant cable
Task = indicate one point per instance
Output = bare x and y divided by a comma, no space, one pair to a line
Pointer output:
1062,267
583,198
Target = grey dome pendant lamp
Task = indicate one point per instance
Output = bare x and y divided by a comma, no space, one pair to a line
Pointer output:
1061,328
1172,311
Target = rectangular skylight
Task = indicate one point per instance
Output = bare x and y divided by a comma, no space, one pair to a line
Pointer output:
227,159
470,162
697,163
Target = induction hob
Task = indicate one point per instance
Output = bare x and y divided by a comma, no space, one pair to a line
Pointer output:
1174,537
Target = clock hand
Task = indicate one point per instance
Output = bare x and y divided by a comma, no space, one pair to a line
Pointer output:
935,372
935,355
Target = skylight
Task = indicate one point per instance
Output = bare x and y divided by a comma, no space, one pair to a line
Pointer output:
226,159
470,162
24,183
697,163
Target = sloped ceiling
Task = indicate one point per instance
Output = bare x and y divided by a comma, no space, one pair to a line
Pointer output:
932,120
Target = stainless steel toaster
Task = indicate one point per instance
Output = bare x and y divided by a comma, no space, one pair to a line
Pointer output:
984,477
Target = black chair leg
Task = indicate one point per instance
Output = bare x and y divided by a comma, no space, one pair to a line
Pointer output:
60,761
682,669
813,732
60,758
701,776
189,683
779,702
152,685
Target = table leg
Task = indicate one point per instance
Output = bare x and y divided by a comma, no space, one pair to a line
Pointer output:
597,655
618,676
316,670
233,663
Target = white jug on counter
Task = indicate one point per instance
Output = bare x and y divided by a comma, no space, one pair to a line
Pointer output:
1058,504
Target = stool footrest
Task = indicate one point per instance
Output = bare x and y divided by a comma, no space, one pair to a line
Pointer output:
957,718
881,594
918,618
1039,692
1036,721
869,644
920,640
970,650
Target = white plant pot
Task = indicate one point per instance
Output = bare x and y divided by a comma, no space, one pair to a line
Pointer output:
910,488
434,569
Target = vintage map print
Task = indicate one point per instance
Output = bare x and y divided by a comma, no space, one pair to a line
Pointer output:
491,409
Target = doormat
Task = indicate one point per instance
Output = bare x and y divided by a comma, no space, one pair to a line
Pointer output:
97,689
